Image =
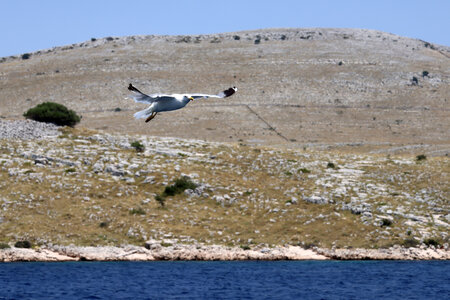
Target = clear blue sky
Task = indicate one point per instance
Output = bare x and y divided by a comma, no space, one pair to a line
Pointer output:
30,25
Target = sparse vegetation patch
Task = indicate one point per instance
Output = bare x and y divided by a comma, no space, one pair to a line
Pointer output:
249,195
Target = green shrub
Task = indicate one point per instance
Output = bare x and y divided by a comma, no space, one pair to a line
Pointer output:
421,157
26,56
305,170
161,200
170,190
138,146
331,165
137,211
410,242
386,222
309,245
245,247
4,246
431,242
50,112
22,244
181,184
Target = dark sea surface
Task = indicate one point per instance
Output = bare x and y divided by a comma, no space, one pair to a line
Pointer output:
227,280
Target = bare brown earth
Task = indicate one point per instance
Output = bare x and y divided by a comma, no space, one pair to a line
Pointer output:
328,88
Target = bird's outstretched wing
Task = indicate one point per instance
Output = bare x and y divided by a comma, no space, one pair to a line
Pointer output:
223,94
139,96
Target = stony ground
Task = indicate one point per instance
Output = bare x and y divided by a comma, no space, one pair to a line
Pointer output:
337,138
76,186
314,87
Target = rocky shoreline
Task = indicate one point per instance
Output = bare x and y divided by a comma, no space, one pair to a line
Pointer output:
159,251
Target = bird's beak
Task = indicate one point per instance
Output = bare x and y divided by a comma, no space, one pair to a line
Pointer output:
191,98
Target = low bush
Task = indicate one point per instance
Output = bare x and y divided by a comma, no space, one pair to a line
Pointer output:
421,157
331,165
181,184
137,211
51,112
386,222
22,244
4,246
410,242
138,146
161,200
431,242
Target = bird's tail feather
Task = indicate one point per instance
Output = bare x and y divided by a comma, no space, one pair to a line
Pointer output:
143,114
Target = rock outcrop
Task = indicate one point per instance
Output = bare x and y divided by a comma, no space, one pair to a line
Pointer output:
393,253
156,250
159,250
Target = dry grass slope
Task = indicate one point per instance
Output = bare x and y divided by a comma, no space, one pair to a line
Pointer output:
318,147
92,188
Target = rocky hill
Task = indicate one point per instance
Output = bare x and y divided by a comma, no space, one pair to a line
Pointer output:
313,87
337,138
87,188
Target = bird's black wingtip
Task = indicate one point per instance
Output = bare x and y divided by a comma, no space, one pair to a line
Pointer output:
230,91
132,88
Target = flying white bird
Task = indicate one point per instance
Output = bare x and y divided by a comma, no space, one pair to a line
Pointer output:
163,102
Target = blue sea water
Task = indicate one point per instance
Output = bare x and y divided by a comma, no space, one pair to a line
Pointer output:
227,280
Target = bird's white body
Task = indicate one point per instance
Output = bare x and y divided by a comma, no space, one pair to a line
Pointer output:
162,102
174,102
